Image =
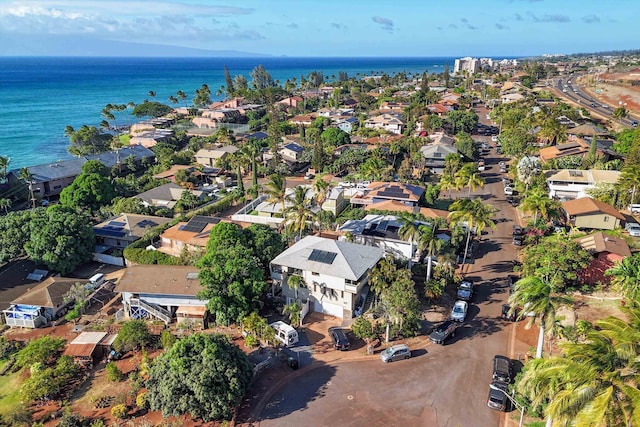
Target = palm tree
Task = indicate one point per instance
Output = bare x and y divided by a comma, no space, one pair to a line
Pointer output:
5,204
321,189
476,215
409,230
448,183
293,282
537,201
468,176
536,297
626,277
151,93
275,188
293,310
182,96
299,214
620,113
173,99
552,131
428,241
4,165
236,161
26,176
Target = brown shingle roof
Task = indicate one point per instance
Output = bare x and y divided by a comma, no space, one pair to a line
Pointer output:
395,191
587,205
600,242
48,293
160,279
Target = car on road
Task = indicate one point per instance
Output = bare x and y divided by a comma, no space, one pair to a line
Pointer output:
508,191
506,313
494,138
517,231
443,331
633,228
513,201
498,396
501,369
395,352
459,311
633,208
340,339
465,291
518,240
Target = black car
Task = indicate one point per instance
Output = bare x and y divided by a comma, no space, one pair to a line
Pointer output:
512,200
340,339
501,369
518,240
498,399
518,231
506,315
443,331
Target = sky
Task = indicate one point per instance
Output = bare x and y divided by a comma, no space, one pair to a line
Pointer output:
310,28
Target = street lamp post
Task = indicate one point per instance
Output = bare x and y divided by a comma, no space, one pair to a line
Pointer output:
512,400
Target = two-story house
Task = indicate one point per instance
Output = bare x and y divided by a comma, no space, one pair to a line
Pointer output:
334,274
574,184
388,122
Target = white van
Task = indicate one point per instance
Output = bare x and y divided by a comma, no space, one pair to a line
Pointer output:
95,281
285,333
634,208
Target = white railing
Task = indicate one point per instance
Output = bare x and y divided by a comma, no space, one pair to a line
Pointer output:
152,309
256,219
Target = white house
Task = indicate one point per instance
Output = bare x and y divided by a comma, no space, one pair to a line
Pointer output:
387,122
162,292
334,274
575,184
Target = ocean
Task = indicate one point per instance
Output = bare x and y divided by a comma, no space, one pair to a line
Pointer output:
39,97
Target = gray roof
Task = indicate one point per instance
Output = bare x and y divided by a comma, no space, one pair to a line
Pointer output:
351,259
56,170
166,192
110,159
429,151
294,147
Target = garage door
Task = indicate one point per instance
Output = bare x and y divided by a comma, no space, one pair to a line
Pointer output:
328,308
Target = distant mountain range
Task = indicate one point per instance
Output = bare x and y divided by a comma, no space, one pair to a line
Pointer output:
12,45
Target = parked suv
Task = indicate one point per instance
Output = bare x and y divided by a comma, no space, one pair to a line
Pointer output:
502,369
443,331
340,339
498,396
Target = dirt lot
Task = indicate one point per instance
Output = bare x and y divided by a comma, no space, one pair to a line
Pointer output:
615,94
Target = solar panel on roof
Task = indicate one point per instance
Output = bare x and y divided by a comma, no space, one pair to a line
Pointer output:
109,233
117,223
198,223
324,257
146,223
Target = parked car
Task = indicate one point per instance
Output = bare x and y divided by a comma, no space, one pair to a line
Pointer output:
517,230
506,315
395,352
501,369
508,191
633,229
494,138
465,291
443,331
513,201
340,339
634,123
498,396
459,312
518,240
634,208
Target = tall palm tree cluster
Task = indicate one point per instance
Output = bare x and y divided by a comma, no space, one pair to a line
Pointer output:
595,382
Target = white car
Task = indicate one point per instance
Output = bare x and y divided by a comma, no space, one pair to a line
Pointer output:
494,138
633,228
459,312
508,191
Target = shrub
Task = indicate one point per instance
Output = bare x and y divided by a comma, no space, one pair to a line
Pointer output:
133,334
251,341
167,339
41,350
141,400
97,423
101,402
119,411
113,373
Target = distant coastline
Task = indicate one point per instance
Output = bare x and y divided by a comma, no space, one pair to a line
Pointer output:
41,95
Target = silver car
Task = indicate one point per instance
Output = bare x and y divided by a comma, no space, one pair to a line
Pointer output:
459,312
395,352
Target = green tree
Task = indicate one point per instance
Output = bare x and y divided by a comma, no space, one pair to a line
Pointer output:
320,189
466,146
60,238
429,242
293,311
203,96
133,335
266,243
228,81
261,79
537,299
87,140
151,109
625,276
42,350
14,233
275,188
298,215
462,121
556,260
334,137
475,214
231,275
5,204
538,202
113,373
202,375
468,176
90,190
363,329
620,113
4,164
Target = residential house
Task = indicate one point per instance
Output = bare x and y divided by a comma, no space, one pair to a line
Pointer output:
212,157
590,213
165,196
574,184
191,236
149,138
577,147
511,97
397,206
291,152
347,124
162,292
335,202
171,172
303,119
434,155
587,130
274,209
390,107
292,101
382,231
607,251
137,153
41,304
440,110
120,231
334,274
376,192
50,179
387,122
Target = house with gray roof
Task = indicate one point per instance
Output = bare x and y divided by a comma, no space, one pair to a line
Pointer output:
51,178
291,152
114,158
334,274
165,196
434,155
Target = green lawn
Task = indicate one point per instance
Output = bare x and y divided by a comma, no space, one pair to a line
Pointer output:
124,139
9,392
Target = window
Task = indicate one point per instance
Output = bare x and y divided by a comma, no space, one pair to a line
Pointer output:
605,218
57,187
313,273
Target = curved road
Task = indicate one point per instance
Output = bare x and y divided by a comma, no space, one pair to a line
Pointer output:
443,386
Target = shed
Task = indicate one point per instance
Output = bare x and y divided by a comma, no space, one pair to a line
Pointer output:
90,347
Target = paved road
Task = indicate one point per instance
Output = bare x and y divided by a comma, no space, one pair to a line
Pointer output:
441,385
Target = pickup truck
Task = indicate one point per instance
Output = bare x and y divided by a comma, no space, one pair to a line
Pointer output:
443,331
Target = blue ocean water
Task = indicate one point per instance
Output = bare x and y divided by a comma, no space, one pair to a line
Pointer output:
39,97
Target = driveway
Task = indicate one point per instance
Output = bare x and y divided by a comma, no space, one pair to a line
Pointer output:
440,385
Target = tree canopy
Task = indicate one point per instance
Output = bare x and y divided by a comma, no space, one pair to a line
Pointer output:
202,375
91,190
151,109
132,335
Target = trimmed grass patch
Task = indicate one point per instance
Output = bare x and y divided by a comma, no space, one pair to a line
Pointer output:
10,392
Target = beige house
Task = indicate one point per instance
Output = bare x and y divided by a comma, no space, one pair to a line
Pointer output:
211,157
591,213
335,202
189,236
387,122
